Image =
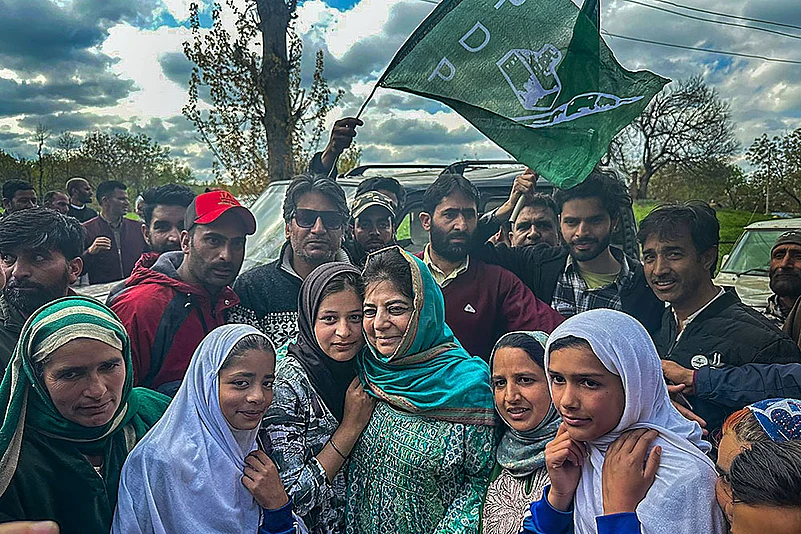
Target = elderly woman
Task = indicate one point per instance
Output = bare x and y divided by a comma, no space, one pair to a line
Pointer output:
71,417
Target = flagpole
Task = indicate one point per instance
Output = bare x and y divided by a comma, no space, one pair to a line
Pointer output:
369,97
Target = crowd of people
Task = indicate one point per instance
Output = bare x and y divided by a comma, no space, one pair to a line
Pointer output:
515,376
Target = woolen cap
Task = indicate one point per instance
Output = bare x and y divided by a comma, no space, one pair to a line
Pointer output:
789,237
208,207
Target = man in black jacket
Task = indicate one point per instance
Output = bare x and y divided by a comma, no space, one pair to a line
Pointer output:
704,326
586,273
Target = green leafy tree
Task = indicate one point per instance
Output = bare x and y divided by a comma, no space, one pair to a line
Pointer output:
246,98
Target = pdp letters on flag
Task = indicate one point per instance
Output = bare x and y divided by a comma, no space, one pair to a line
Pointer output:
534,76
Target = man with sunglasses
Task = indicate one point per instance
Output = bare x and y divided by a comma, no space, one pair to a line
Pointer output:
315,216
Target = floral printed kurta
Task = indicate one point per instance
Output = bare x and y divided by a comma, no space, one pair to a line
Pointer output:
509,498
413,475
295,429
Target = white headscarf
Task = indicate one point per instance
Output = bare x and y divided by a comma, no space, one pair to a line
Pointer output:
185,474
682,499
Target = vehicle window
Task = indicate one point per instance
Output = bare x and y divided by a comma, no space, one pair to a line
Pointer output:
752,252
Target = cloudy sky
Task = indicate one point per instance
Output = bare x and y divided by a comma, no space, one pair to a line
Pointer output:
83,65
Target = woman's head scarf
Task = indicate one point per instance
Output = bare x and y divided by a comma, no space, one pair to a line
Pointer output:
682,499
27,405
779,418
329,377
523,452
185,475
430,373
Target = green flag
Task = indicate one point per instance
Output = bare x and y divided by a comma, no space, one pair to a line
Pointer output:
534,76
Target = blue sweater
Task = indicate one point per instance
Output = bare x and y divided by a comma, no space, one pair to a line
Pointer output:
545,519
278,521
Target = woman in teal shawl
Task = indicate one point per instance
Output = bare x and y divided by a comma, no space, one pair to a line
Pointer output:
70,417
422,463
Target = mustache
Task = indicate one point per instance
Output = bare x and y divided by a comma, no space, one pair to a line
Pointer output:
13,283
455,235
584,242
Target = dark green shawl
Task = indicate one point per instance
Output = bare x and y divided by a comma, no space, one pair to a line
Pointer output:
33,432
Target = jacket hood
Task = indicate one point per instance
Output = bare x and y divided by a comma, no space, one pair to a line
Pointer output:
164,271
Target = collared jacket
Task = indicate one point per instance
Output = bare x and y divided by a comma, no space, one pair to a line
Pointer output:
725,333
167,319
111,265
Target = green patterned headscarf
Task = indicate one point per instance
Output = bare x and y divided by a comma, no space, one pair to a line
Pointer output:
26,404
430,373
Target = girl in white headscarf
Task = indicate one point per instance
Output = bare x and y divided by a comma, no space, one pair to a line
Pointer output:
606,380
200,469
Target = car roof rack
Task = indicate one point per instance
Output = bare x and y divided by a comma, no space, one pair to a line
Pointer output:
460,166
359,171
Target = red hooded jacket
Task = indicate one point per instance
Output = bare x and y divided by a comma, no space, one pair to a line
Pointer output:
166,319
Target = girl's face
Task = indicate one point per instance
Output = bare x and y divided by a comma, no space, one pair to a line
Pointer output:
246,389
589,398
520,387
387,313
338,326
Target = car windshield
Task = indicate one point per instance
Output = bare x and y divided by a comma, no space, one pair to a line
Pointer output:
265,245
752,253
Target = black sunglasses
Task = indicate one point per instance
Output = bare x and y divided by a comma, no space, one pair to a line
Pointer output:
332,220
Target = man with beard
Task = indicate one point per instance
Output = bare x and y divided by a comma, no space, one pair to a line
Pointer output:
704,326
315,215
785,276
80,193
163,215
482,302
40,255
169,308
586,272
373,225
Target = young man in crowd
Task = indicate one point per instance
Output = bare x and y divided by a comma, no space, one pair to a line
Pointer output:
387,186
586,273
169,308
18,195
40,255
373,225
704,326
113,243
58,201
785,277
163,214
80,193
315,216
482,302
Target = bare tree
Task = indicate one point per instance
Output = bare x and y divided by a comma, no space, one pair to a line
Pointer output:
41,135
245,93
67,145
684,126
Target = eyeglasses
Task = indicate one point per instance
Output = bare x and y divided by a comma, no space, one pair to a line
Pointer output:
332,220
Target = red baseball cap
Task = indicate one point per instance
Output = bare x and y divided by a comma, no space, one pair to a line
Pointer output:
207,208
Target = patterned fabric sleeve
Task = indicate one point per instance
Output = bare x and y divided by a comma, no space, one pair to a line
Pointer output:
477,453
286,425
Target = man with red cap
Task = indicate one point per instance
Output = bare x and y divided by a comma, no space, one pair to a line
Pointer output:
168,308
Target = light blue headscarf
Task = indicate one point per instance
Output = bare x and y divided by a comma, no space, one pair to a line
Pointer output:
185,474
